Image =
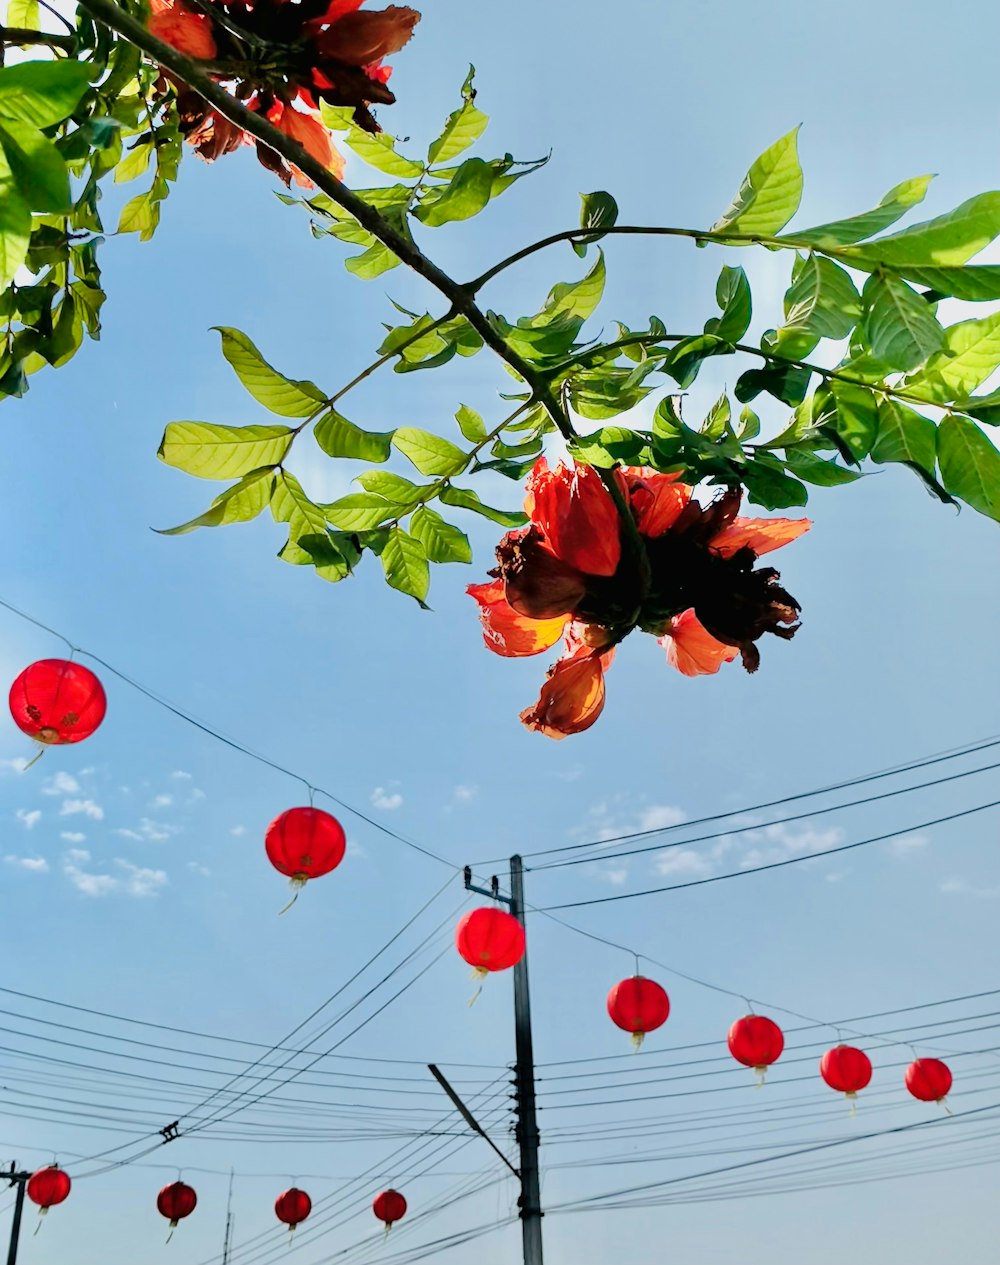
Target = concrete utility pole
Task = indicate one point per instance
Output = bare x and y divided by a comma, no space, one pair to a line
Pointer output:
20,1180
530,1200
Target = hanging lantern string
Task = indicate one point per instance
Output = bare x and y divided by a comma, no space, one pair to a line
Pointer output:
231,743
838,1029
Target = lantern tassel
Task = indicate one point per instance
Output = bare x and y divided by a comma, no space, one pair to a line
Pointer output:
296,884
41,1211
173,1227
942,1103
481,974
637,1040
42,748
761,1072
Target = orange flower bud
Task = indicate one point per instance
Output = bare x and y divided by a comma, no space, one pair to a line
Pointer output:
572,697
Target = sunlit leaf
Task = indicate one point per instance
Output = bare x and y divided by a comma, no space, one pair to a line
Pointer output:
431,454
905,435
970,465
361,511
769,195
856,228
210,451
946,240
441,541
463,127
36,166
469,190
284,396
471,424
41,93
970,355
466,499
405,565
238,504
598,211
901,327
732,293
340,438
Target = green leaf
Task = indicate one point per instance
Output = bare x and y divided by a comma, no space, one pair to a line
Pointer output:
402,492
41,93
134,164
23,15
900,326
466,499
405,565
372,262
15,231
732,293
36,166
465,195
281,395
856,418
238,504
378,151
769,195
140,215
471,424
976,283
893,207
462,128
970,355
946,240
361,511
209,451
822,299
440,540
573,299
431,454
905,435
683,361
609,446
598,211
767,484
289,504
787,383
340,438
813,469
749,424
717,421
970,465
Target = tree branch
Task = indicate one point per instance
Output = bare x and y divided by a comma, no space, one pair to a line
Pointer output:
19,35
459,296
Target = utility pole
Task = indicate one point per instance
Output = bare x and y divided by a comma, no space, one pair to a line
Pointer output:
20,1180
530,1201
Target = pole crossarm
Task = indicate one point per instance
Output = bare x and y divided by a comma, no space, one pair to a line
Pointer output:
467,1115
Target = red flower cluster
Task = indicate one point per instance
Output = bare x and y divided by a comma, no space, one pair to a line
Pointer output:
686,574
281,59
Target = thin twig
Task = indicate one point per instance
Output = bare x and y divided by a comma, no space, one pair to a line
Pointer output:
22,35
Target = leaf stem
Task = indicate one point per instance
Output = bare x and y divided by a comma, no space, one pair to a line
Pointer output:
460,296
23,35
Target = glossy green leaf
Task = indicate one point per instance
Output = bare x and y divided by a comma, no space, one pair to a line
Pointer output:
900,326
361,511
431,454
41,93
23,14
787,383
717,420
466,499
15,230
36,167
405,565
134,164
340,438
769,195
971,354
463,127
685,359
469,190
372,262
984,408
238,504
471,424
209,451
970,465
574,299
975,283
767,484
281,395
140,215
732,293
403,492
441,541
290,504
812,469
856,418
856,228
905,435
944,241
749,424
378,151
822,299
599,211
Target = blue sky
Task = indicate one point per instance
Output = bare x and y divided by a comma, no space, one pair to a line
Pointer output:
135,882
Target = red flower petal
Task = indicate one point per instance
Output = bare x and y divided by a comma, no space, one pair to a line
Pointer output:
572,697
358,39
759,534
692,650
577,516
505,631
656,499
311,135
188,32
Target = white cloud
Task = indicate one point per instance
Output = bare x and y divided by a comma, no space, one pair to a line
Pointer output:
962,887
78,856
162,801
17,765
139,881
181,776
28,818
196,795
908,844
780,842
238,831
660,817
73,836
463,794
35,865
61,784
73,807
124,833
131,880
607,823
197,868
90,884
615,877
686,863
147,831
386,800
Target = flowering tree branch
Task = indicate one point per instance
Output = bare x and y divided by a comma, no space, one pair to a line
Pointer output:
23,36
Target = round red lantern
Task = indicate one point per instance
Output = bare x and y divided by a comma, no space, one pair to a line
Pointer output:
389,1207
175,1202
638,1005
846,1069
928,1079
305,843
757,1042
48,1187
490,940
56,701
292,1207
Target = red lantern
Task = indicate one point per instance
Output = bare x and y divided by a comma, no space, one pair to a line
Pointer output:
490,940
757,1042
175,1202
292,1207
305,843
56,701
48,1187
846,1069
638,1005
928,1079
389,1207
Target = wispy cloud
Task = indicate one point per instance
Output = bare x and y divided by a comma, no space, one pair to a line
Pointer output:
86,807
238,831
616,878
607,822
61,784
686,863
907,845
28,817
161,801
73,836
197,868
463,794
139,881
962,887
386,800
147,831
17,765
34,865
180,776
127,880
780,842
